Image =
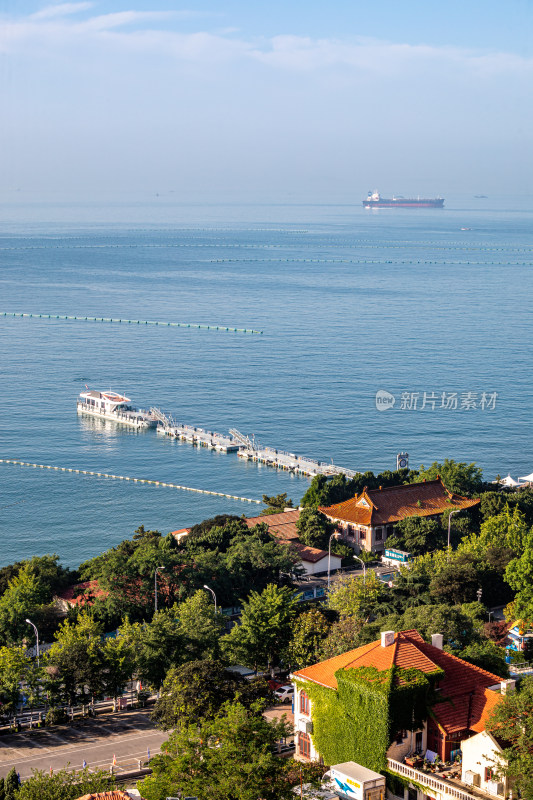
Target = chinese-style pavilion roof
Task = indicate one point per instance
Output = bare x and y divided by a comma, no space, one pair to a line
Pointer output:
464,698
391,504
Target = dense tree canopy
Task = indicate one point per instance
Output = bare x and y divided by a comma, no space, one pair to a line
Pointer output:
512,722
458,477
231,757
261,638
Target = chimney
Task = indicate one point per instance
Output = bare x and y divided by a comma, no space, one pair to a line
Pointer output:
437,640
387,638
508,686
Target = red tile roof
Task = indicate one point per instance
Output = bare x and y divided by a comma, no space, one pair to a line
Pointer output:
283,525
82,594
383,506
466,700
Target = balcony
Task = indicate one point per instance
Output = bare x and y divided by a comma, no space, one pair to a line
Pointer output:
443,787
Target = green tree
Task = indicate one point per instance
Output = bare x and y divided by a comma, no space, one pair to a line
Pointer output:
308,634
229,758
456,582
458,477
126,573
264,631
519,576
512,722
12,784
14,666
458,629
314,529
192,692
118,665
64,784
417,535
2,789
200,626
22,597
75,663
487,655
256,559
276,504
356,597
157,646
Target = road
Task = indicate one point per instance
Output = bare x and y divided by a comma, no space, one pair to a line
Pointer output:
126,736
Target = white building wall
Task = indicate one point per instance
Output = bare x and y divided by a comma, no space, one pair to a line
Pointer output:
301,721
312,568
479,752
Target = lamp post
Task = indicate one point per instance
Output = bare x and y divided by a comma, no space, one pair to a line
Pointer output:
36,637
157,569
364,568
455,511
214,595
334,535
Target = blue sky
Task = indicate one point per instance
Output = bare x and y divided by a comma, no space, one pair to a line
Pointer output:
278,100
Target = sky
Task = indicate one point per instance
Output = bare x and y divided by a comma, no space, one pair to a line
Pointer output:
241,99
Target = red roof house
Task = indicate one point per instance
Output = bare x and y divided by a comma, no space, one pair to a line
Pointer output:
283,527
461,698
368,518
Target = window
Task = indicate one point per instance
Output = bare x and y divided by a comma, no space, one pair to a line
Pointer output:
362,535
489,774
400,736
379,534
304,745
304,704
390,529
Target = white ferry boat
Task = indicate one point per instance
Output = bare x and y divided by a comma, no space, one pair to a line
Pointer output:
115,407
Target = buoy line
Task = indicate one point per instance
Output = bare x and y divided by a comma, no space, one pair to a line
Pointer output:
128,478
133,322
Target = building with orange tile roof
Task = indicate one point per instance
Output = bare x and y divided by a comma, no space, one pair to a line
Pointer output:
367,519
283,527
459,697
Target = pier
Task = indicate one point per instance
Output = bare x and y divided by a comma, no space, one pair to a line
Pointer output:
246,448
251,450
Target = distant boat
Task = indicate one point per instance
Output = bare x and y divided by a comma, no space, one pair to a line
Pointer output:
374,200
481,196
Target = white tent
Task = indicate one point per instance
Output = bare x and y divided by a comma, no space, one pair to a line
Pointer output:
508,481
528,478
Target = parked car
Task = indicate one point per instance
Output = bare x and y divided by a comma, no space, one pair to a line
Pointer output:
285,693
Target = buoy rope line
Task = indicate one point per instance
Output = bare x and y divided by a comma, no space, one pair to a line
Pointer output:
398,261
132,322
128,478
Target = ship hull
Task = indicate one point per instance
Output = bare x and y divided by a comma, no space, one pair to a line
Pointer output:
393,203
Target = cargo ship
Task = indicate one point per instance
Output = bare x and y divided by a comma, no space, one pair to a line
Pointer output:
374,200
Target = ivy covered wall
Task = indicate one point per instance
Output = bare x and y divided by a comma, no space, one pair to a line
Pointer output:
357,721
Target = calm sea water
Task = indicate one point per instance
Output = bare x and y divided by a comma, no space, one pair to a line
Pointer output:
350,302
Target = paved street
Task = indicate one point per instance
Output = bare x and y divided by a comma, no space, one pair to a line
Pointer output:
127,735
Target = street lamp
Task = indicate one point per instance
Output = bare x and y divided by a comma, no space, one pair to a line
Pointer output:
214,595
364,568
455,511
157,569
334,535
36,637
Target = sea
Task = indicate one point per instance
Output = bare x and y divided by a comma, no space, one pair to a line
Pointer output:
379,332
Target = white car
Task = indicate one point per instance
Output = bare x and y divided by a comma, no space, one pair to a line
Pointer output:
285,693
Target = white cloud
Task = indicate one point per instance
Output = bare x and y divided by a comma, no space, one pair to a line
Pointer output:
155,32
60,10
